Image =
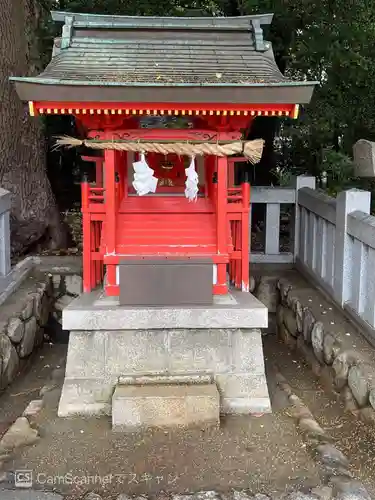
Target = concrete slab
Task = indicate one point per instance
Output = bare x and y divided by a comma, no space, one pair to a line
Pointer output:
218,300
95,312
16,277
137,407
55,264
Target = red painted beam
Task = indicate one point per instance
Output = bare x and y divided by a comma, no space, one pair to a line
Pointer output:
164,134
115,259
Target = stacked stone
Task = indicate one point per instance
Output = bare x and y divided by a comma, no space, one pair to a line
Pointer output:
335,468
22,324
264,289
66,288
23,331
349,371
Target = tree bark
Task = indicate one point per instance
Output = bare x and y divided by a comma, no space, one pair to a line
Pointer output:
22,146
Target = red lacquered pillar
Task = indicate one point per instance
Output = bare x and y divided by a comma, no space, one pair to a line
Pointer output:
221,219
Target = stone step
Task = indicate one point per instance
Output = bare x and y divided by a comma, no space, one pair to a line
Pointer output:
138,407
159,379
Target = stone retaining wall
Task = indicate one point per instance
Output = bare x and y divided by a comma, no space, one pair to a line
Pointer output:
337,355
22,320
67,287
25,314
264,289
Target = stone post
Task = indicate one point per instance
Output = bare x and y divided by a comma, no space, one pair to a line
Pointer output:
298,183
364,158
346,203
5,202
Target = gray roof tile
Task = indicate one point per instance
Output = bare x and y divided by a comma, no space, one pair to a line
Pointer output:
126,52
141,56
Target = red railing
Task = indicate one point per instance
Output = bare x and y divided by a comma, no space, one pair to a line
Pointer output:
97,266
238,214
91,195
235,195
92,209
238,196
96,195
235,258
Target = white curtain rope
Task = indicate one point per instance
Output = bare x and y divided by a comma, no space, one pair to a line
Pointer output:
144,180
192,181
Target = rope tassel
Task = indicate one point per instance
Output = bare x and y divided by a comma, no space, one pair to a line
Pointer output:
191,191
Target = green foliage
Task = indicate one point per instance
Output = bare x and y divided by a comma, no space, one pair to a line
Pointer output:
133,7
283,176
331,43
339,170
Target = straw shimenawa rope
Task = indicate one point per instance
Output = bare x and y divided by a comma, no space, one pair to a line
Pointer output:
252,150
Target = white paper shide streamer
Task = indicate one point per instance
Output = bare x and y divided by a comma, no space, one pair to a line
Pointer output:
144,180
191,184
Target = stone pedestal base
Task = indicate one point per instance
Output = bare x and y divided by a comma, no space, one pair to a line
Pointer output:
137,407
168,342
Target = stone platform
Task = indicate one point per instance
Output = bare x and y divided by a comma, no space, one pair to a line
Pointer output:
109,342
138,407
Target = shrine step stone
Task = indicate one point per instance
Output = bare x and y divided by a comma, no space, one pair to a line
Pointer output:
138,407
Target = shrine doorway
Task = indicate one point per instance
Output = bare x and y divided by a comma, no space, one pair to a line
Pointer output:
169,169
170,172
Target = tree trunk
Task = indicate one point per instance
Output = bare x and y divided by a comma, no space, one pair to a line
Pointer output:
22,146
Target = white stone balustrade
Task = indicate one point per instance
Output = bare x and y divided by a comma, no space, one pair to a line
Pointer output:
273,198
337,250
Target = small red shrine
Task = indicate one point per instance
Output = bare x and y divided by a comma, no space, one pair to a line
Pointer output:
139,86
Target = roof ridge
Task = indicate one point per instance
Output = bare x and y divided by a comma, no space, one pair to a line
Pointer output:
239,24
166,22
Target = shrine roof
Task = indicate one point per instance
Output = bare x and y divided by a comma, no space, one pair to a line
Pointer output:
166,59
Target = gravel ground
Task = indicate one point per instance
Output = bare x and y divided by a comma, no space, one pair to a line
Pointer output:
27,386
264,454
354,438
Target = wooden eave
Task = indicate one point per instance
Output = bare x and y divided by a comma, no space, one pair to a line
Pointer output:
187,95
160,109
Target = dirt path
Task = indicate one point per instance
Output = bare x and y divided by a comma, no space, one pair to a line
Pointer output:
27,386
353,437
263,455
